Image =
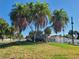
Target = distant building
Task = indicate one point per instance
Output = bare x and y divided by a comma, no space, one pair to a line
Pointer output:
61,39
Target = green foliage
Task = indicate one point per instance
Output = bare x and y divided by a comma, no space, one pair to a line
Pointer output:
59,20
47,31
41,13
61,45
2,21
21,36
37,50
72,32
31,34
68,36
23,14
9,32
60,57
3,25
5,30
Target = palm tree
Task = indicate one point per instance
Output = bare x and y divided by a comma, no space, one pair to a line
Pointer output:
3,26
41,13
11,31
3,23
47,32
22,15
19,17
59,20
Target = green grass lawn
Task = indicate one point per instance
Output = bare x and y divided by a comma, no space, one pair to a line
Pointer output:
24,50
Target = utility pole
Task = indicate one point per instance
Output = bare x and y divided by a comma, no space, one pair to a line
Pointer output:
63,35
72,30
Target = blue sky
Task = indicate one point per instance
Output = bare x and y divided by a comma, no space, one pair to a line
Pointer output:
71,6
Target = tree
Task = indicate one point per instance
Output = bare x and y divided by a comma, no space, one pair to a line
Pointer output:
40,15
3,26
75,34
3,23
24,14
70,32
18,16
38,35
10,31
21,36
47,31
59,20
31,34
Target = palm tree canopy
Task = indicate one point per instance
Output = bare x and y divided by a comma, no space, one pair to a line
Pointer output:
23,14
18,16
3,23
41,13
59,19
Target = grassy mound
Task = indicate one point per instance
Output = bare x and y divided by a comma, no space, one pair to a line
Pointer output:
27,50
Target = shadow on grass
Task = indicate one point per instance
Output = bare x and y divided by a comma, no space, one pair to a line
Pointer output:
5,45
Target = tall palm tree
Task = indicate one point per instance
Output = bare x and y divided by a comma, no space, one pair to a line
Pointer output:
24,14
59,20
40,15
18,16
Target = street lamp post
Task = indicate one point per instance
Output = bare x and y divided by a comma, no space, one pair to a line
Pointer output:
72,30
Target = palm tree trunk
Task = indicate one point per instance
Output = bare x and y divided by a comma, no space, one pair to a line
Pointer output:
2,34
31,28
35,34
46,38
10,37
